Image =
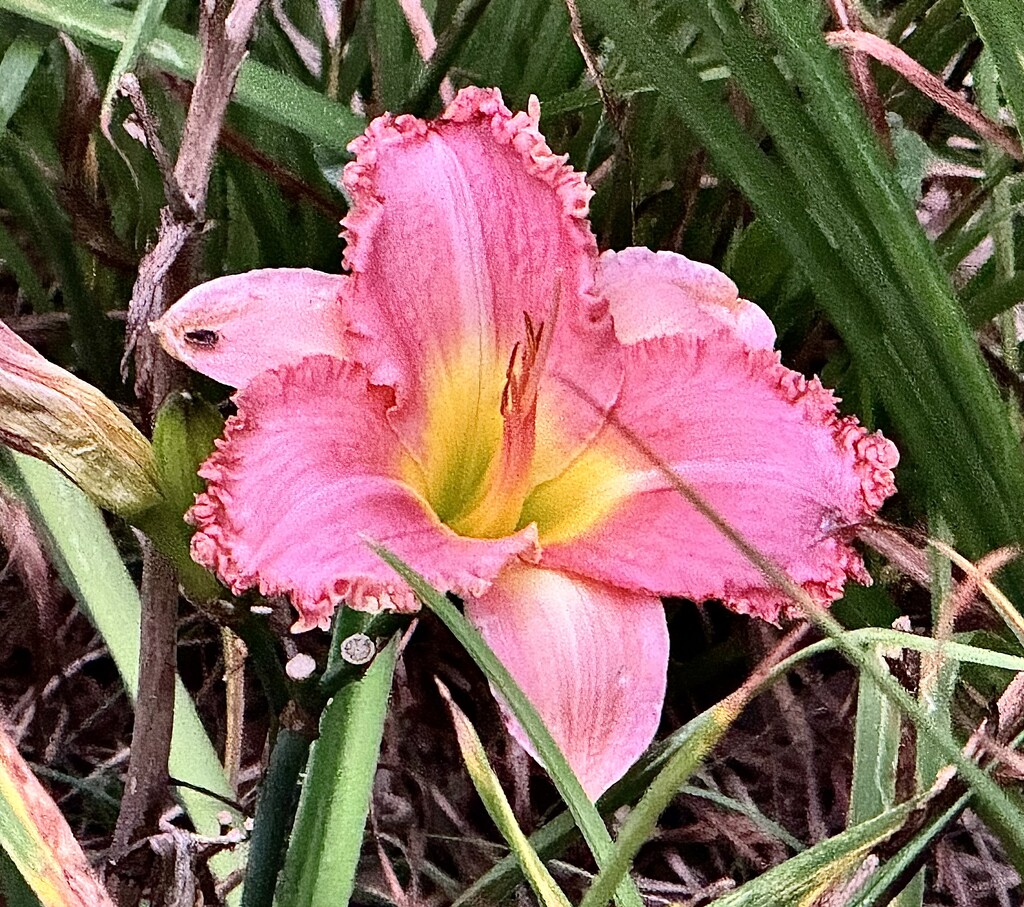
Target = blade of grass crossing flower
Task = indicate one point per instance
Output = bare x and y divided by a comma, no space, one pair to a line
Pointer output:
583,811
998,23
498,807
35,836
320,867
143,27
1003,815
912,296
643,819
272,94
802,879
16,68
876,746
90,566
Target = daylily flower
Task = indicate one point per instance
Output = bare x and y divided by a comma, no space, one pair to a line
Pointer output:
459,395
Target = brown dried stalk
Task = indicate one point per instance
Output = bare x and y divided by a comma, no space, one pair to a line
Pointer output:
164,273
928,84
860,72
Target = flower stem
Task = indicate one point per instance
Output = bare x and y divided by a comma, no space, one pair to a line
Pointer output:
274,814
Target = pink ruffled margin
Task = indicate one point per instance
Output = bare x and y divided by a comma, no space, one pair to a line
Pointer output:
213,545
874,458
520,130
211,548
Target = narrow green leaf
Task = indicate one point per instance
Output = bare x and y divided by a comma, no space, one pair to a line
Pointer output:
16,68
499,809
584,813
278,97
643,819
999,24
895,866
876,748
769,826
90,566
803,878
320,866
143,27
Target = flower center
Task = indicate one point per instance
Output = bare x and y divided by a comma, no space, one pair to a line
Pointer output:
496,508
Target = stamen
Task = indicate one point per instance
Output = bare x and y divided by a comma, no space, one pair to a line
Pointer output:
507,482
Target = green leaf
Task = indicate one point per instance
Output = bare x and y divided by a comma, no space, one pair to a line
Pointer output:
278,97
320,866
144,25
802,879
90,566
889,873
876,748
16,68
584,813
999,23
499,809
643,819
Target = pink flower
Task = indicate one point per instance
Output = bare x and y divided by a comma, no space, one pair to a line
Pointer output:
449,398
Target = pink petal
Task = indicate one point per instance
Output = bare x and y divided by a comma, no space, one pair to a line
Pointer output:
235,327
458,228
307,472
760,442
657,294
591,658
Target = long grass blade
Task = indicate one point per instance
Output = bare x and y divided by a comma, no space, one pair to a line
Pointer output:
500,810
274,95
90,566
320,868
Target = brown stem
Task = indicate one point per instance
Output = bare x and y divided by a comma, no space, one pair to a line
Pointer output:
164,273
928,84
860,73
145,791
